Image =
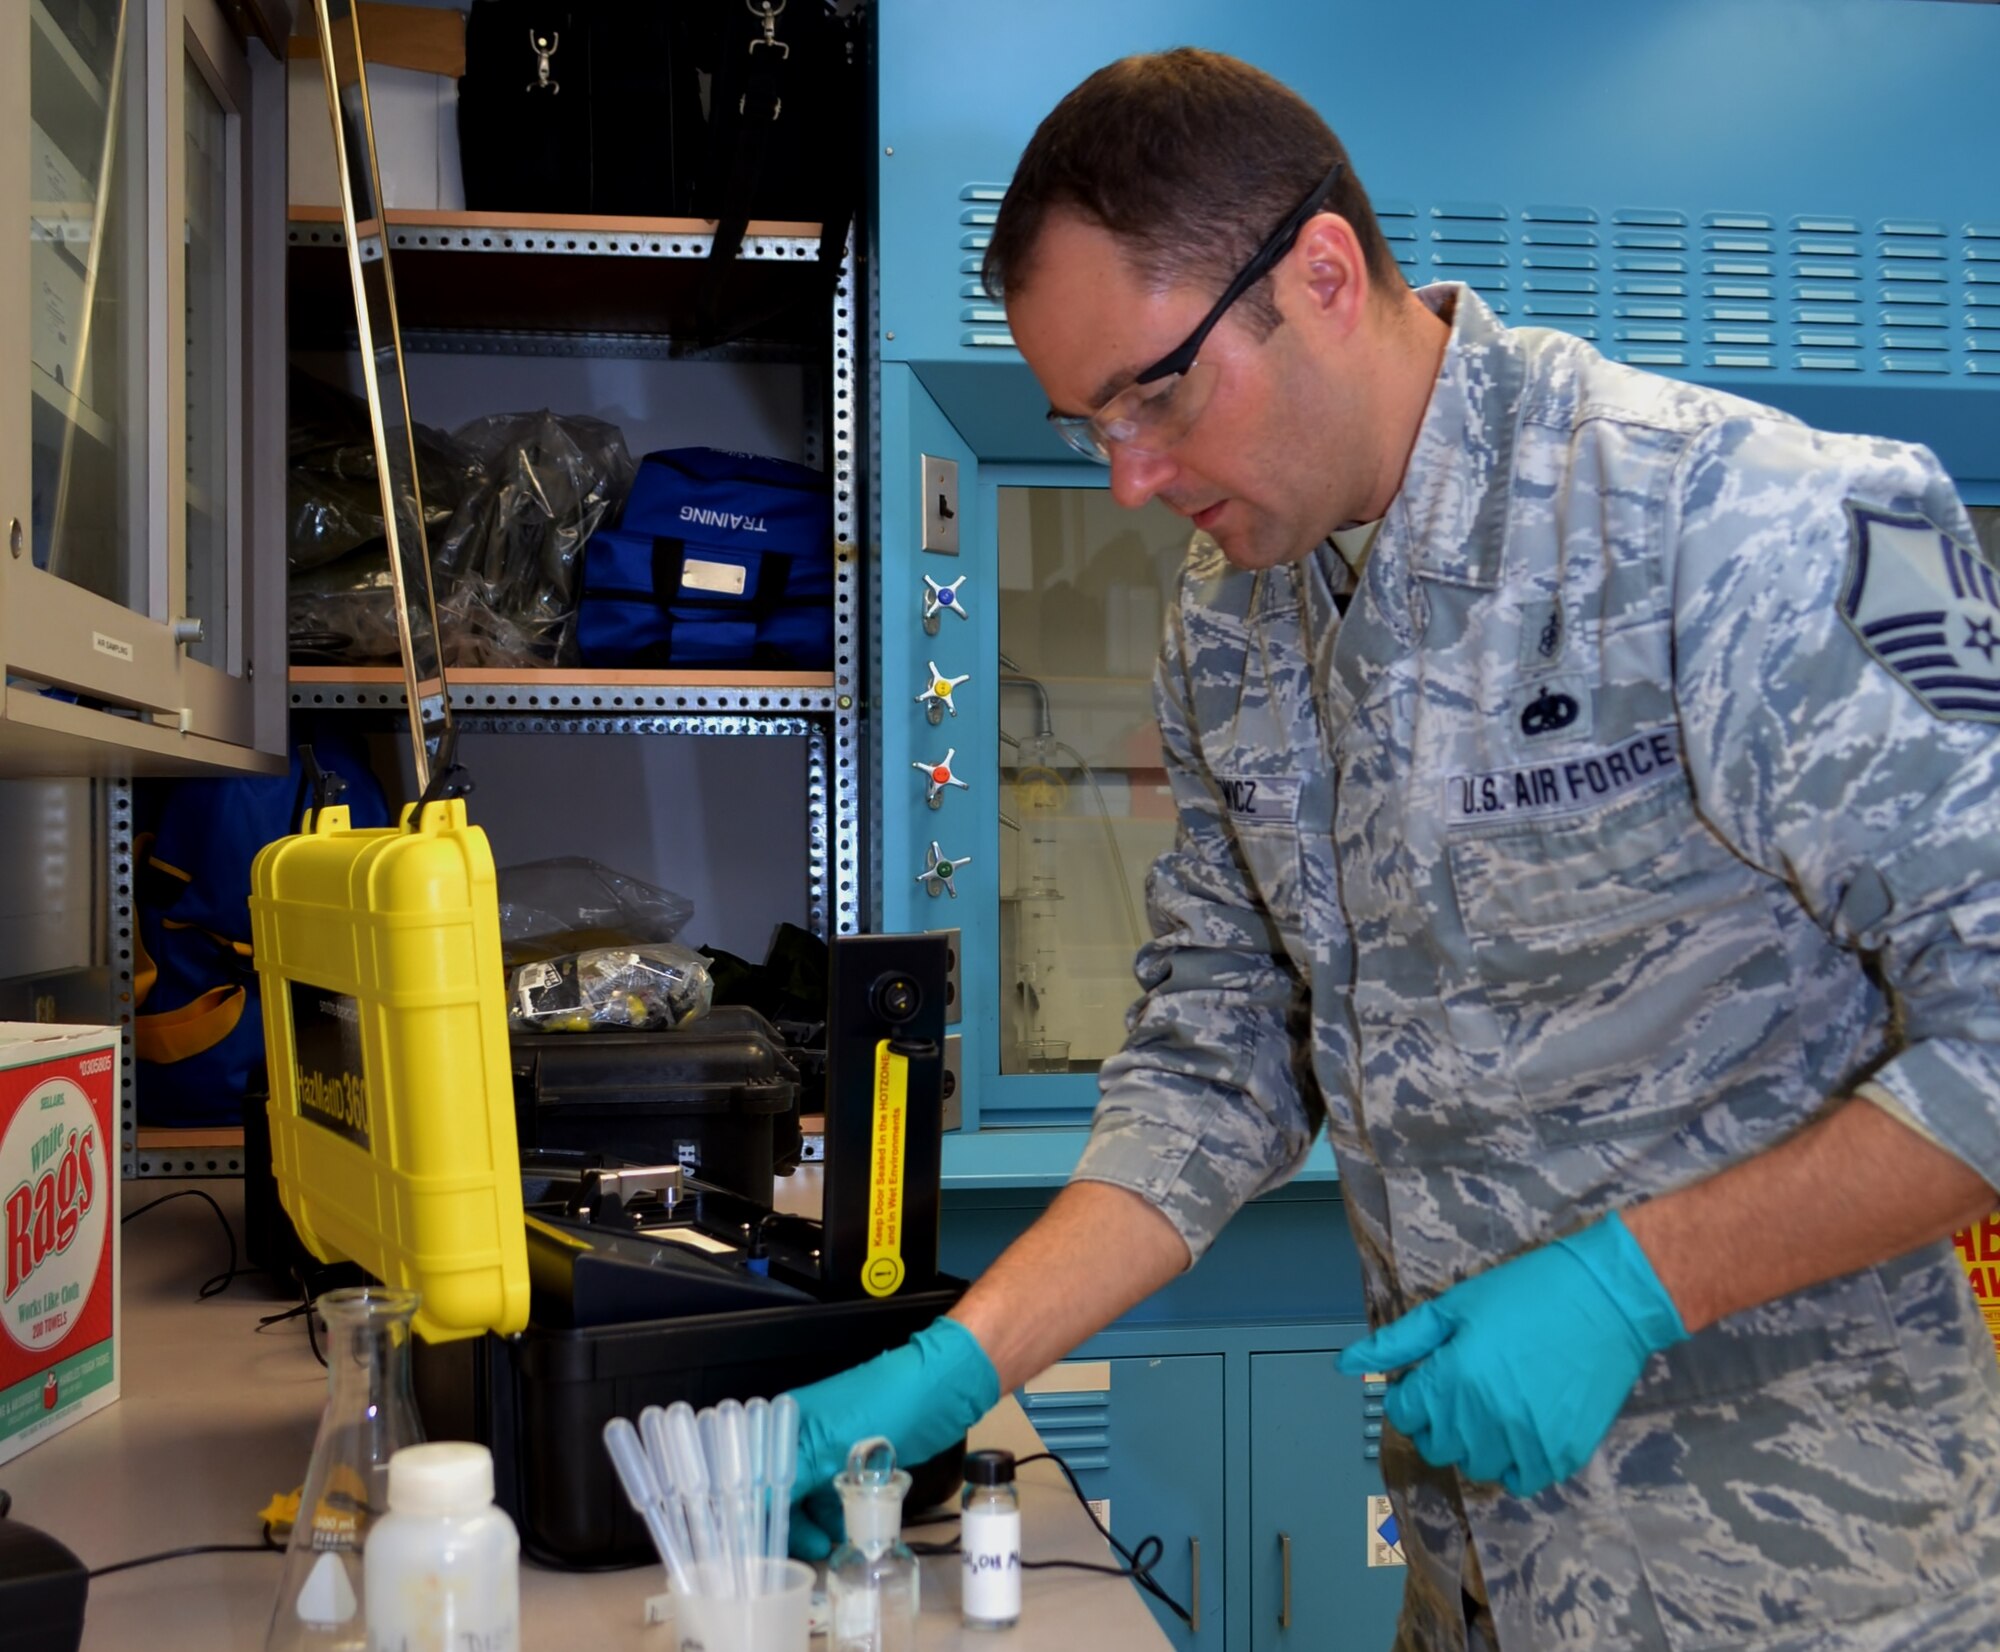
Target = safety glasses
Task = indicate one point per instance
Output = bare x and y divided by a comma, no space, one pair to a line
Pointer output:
1163,401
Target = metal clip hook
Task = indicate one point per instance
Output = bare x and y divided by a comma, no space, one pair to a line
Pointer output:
770,15
544,48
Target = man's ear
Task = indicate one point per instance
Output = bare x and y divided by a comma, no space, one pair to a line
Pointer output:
1332,274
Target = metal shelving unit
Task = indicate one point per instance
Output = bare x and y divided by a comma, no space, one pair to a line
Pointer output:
646,278
638,302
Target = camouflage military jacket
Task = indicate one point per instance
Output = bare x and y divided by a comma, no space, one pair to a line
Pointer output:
1642,801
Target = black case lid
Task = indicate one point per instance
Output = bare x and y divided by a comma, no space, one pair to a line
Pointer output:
730,1059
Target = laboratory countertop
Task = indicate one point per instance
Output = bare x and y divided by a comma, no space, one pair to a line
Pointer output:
1031,1158
216,1415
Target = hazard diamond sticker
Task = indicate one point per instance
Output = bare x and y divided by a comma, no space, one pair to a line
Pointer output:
1928,608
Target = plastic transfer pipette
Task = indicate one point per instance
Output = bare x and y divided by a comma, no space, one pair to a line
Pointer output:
757,1423
692,1484
784,1470
635,1474
735,1491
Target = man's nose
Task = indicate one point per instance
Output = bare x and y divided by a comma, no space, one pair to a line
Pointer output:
1136,477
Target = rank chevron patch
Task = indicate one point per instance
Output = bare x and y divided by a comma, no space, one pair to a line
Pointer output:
1928,608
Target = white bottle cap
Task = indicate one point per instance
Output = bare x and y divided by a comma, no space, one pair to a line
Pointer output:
447,1477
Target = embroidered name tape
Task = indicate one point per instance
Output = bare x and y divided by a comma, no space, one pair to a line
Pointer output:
1561,786
1260,800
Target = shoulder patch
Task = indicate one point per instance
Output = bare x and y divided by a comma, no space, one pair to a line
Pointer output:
1927,608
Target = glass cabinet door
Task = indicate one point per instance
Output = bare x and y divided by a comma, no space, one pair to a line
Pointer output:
212,239
133,481
88,327
1083,801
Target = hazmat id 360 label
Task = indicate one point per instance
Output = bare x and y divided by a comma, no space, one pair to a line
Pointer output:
1385,1538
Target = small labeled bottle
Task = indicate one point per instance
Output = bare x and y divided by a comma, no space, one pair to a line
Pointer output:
989,1542
871,1579
443,1566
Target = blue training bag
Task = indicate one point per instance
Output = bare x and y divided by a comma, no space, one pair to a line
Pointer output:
719,559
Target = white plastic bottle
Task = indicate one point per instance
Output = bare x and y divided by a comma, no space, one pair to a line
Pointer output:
442,1570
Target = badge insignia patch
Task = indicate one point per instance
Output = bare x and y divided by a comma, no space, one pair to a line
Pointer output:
1927,608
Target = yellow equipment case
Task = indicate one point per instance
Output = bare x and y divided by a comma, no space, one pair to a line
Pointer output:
392,1105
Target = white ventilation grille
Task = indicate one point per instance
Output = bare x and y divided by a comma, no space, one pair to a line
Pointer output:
1982,298
1559,269
1714,293
983,322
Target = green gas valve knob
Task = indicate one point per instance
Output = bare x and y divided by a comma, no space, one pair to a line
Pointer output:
937,873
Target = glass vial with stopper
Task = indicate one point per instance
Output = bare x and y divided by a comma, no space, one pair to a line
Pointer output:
443,1567
871,1580
989,1542
371,1414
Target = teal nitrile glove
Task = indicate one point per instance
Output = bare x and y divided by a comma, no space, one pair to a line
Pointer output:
1517,1374
923,1396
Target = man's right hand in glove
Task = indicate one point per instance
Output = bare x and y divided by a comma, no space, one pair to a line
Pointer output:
1096,1251
923,1396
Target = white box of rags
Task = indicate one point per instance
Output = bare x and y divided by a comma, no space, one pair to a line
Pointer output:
59,1195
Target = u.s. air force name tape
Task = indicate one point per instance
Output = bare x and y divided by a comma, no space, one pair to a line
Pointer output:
1562,785
1260,799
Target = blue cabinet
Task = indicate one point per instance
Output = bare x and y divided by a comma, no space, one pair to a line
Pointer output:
1212,1418
1315,1486
1145,1437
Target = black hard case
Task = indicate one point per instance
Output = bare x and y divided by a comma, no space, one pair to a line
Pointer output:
540,1401
722,1083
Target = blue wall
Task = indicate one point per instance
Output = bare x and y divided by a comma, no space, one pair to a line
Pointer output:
1772,138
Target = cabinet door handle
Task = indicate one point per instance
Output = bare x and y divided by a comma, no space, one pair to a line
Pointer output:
1194,1597
1285,1565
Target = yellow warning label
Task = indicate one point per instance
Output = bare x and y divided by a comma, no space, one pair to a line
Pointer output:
1979,1250
883,1271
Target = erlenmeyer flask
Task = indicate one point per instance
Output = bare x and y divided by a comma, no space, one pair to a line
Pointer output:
371,1412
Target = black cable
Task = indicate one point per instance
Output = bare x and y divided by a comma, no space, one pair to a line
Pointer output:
304,1309
268,1546
220,1282
1140,1560
312,1325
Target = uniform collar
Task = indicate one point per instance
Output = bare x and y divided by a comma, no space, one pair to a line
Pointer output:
1452,507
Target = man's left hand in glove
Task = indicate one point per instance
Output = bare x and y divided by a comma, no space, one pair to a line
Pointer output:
1516,1374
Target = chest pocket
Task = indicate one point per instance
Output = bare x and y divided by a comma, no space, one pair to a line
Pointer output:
1634,964
1599,870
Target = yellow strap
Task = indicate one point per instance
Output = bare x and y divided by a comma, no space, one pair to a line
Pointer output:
144,971
174,1035
882,1272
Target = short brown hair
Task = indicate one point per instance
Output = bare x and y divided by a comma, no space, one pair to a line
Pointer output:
1190,159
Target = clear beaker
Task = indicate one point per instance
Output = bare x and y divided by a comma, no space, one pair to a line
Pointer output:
371,1413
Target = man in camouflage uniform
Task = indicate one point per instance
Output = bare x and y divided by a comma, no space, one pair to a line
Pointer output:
1586,787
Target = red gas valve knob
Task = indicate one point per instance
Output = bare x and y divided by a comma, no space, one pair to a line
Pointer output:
937,776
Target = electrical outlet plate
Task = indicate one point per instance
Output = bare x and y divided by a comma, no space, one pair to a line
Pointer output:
953,1006
940,505
954,1082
